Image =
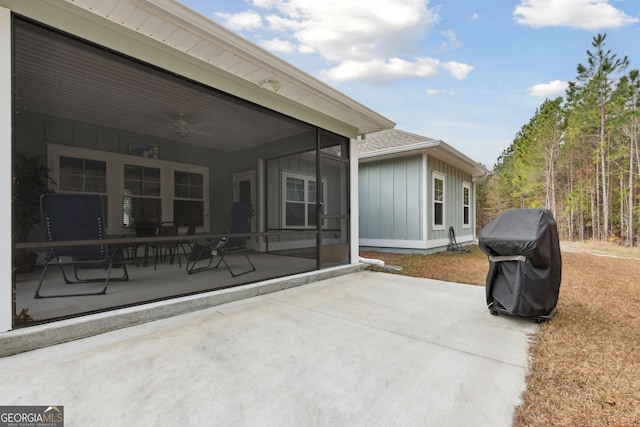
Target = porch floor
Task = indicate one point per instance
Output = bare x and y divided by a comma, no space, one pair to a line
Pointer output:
146,284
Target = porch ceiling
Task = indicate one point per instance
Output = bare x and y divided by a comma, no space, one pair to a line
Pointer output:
93,88
179,31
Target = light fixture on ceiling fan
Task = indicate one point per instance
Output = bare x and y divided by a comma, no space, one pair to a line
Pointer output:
181,126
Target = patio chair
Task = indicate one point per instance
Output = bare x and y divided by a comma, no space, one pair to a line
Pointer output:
144,229
203,252
453,245
69,217
163,249
187,243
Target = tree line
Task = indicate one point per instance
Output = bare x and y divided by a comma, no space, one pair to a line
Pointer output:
577,156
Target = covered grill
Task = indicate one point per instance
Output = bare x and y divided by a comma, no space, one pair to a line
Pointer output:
525,264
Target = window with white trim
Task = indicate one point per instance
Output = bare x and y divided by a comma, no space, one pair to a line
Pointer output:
84,175
142,201
438,191
188,202
134,189
299,208
466,205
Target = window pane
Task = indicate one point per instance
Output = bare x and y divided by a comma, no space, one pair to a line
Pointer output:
182,191
137,210
133,180
95,185
295,214
312,219
312,192
152,189
70,165
465,196
295,189
196,179
83,175
187,212
181,178
196,193
188,185
140,180
70,182
438,214
95,168
466,215
438,187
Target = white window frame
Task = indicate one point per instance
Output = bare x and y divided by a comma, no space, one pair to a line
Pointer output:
438,176
115,180
283,190
466,187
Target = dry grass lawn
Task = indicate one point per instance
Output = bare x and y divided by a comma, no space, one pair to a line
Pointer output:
585,367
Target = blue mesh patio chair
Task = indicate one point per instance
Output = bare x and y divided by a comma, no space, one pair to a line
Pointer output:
68,217
204,252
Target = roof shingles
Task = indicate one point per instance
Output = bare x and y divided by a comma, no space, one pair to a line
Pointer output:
391,138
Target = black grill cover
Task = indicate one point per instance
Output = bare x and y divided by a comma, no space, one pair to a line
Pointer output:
525,265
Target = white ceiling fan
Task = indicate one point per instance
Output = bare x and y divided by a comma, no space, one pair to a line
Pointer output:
181,126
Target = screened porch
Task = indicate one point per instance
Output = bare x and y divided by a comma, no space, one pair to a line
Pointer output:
162,149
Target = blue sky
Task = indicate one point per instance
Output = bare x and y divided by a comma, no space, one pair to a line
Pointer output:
468,72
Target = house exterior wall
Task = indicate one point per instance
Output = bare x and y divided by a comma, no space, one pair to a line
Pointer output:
396,204
391,200
453,215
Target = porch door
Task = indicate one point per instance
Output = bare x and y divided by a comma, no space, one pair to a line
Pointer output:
334,210
244,191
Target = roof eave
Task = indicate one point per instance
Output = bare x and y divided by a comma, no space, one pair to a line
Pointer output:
437,148
268,61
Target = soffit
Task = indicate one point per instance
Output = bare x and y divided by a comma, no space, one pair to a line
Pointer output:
183,30
89,86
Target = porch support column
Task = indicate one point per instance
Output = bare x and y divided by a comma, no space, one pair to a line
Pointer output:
6,279
354,213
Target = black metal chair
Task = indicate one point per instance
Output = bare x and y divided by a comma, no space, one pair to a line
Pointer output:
68,217
204,252
453,245
187,243
163,249
144,229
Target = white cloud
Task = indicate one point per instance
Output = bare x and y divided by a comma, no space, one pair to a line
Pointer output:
392,69
475,15
458,70
452,40
241,21
373,40
584,14
278,45
349,31
434,92
552,89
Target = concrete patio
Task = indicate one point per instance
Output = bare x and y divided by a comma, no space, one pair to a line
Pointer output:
362,349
